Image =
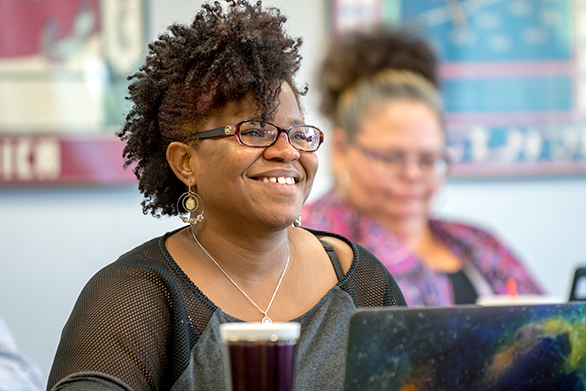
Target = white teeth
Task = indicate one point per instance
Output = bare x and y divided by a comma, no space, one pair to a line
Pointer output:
281,179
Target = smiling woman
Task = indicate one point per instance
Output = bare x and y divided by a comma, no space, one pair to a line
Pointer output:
216,133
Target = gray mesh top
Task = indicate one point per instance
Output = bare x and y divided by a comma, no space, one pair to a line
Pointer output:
141,324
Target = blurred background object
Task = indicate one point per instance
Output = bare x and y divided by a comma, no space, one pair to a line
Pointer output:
379,88
17,372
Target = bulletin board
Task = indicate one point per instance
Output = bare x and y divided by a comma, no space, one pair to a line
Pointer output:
513,77
63,81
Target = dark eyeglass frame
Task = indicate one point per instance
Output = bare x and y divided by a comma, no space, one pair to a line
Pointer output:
234,130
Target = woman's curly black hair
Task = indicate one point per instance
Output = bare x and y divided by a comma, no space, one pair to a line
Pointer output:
189,74
361,54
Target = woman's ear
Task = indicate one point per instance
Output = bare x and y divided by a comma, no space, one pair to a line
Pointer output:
180,157
339,148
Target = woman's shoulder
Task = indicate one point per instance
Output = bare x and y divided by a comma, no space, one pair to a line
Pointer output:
354,253
462,231
141,283
328,234
366,280
466,239
346,250
150,254
146,265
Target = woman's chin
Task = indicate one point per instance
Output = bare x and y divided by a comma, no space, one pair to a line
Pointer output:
280,222
407,210
405,220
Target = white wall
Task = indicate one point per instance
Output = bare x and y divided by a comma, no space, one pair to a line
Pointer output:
544,221
53,240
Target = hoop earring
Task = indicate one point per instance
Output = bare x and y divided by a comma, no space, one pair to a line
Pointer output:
190,202
297,222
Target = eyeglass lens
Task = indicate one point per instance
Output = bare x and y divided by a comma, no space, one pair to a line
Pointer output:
397,161
254,134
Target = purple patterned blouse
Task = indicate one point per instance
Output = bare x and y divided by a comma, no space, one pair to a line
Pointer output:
421,285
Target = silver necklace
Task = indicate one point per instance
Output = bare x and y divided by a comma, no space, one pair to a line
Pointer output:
265,318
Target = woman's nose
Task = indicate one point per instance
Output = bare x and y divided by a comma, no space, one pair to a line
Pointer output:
411,168
282,149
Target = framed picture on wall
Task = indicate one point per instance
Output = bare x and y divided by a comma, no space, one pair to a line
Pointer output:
513,77
63,78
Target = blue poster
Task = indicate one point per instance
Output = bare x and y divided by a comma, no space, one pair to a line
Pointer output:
513,75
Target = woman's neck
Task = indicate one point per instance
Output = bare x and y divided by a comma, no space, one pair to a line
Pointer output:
419,237
410,230
247,254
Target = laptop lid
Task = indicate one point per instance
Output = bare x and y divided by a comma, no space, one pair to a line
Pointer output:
578,291
471,348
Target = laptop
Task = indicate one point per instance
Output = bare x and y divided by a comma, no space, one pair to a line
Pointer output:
578,291
468,348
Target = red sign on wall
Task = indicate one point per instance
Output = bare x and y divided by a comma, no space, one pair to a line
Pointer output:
45,159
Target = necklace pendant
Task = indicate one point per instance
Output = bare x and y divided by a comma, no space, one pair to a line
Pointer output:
266,320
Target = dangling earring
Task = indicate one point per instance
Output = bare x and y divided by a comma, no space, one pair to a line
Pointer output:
190,202
297,222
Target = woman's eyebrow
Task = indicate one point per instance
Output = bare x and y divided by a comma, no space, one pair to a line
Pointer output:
299,121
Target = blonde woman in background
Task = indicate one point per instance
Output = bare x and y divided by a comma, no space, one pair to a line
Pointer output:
380,91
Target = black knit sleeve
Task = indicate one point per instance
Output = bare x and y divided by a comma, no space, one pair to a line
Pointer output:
132,322
369,282
120,326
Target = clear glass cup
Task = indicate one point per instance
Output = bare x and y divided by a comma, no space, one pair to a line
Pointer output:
260,357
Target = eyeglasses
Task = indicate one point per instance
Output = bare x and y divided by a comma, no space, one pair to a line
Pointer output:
252,133
431,165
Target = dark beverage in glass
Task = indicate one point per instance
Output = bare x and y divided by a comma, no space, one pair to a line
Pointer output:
260,357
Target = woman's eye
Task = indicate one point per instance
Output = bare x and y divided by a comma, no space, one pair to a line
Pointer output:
392,159
427,161
302,136
253,133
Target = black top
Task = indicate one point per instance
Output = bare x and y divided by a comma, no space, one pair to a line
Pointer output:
334,259
464,292
140,323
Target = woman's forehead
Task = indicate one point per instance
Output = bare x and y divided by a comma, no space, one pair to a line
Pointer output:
396,124
248,107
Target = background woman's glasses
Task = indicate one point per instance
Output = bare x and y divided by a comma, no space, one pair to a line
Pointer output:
395,162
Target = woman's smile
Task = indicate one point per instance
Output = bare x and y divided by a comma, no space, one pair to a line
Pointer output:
282,184
281,180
